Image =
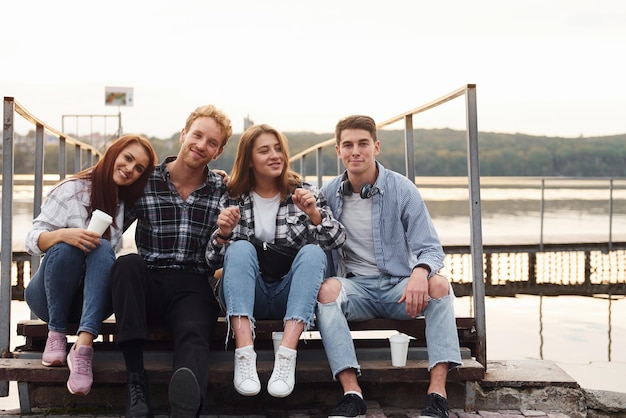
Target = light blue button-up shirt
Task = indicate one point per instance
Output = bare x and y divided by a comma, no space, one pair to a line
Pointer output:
403,233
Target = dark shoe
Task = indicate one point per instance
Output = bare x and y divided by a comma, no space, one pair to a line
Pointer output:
138,405
184,394
435,406
351,406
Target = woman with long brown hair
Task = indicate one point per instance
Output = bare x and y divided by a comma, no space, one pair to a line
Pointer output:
272,232
72,283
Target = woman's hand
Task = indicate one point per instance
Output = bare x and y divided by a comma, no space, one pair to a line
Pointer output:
77,237
82,238
305,200
227,220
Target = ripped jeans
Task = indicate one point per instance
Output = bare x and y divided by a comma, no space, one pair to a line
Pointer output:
368,297
243,291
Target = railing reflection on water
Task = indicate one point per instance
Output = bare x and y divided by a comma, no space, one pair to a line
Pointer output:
610,298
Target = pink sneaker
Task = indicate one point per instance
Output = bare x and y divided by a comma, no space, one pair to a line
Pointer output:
81,376
56,350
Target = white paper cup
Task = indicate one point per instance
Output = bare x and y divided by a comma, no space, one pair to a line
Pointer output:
277,337
399,345
99,222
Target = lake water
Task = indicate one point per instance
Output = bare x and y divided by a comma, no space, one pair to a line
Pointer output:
573,210
585,336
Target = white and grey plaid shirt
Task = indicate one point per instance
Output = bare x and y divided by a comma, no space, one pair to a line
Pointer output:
66,206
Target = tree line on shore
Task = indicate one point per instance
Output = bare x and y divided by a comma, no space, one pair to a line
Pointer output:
438,152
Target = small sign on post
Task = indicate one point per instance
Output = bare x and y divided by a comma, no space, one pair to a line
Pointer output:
118,96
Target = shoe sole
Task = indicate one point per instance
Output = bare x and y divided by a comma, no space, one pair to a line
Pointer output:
279,395
184,394
55,363
244,393
343,416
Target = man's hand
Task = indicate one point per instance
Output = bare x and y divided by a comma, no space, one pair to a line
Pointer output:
223,174
416,292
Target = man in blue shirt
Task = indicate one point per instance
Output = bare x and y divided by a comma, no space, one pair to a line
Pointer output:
167,282
386,269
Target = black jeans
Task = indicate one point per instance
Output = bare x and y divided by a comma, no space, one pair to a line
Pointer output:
184,301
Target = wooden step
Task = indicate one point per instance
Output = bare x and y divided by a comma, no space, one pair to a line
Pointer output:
312,366
36,331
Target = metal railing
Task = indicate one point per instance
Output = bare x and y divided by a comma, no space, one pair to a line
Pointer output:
11,109
469,93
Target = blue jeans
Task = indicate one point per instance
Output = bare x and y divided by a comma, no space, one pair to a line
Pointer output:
368,297
244,292
72,285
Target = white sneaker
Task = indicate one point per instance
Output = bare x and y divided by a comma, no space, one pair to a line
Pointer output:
246,379
283,377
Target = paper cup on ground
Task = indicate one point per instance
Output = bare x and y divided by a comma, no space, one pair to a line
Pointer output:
399,344
99,222
277,337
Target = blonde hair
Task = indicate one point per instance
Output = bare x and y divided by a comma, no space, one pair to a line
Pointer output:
211,111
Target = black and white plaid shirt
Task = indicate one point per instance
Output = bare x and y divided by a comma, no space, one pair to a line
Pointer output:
172,232
293,227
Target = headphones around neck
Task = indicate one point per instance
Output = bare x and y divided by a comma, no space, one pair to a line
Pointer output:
367,191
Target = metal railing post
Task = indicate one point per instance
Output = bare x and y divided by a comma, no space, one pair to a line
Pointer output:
319,167
541,210
478,283
303,166
39,165
6,260
62,158
409,148
610,214
77,158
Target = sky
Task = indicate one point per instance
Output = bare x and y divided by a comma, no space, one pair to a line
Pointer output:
541,67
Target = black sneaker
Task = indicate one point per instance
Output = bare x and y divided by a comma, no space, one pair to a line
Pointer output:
435,406
184,394
351,406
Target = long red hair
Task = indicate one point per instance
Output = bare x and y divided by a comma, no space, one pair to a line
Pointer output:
104,192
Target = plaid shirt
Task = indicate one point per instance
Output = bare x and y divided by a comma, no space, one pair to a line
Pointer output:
66,207
172,233
293,227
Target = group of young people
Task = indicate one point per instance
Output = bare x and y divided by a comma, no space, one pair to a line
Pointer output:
362,247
